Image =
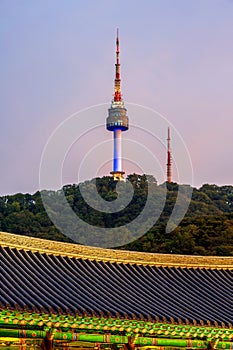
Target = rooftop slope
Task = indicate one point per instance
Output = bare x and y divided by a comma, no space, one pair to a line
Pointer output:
37,276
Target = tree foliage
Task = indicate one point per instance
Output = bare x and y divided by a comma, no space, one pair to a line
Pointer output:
207,228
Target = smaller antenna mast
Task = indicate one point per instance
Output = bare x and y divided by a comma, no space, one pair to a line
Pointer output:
169,162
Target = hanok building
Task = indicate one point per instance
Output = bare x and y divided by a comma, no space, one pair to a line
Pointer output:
67,296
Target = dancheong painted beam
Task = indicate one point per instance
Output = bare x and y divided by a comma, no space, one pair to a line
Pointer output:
115,339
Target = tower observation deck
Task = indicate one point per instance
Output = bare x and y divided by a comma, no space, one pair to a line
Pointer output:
117,120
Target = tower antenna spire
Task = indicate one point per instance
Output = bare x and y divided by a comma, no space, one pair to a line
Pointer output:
169,162
117,85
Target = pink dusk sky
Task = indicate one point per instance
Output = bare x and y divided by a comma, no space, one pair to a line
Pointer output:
57,57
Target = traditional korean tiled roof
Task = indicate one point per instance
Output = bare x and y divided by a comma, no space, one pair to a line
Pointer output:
68,278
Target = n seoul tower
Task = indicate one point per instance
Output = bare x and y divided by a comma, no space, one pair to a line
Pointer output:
117,120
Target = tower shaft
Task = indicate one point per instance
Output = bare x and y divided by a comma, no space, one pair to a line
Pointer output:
117,162
169,165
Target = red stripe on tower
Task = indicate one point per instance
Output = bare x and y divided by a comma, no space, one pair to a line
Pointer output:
117,87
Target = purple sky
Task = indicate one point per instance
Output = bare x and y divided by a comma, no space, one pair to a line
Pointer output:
57,57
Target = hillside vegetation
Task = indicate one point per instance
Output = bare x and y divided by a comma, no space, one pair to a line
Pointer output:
207,228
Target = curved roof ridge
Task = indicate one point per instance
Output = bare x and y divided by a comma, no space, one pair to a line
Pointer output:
112,255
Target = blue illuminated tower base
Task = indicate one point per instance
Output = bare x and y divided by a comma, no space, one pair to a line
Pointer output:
117,172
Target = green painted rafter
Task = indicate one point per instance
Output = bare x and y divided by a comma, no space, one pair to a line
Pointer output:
47,322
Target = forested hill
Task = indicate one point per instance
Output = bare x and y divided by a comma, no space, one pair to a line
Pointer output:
207,228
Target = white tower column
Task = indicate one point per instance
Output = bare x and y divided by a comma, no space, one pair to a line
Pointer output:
117,161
